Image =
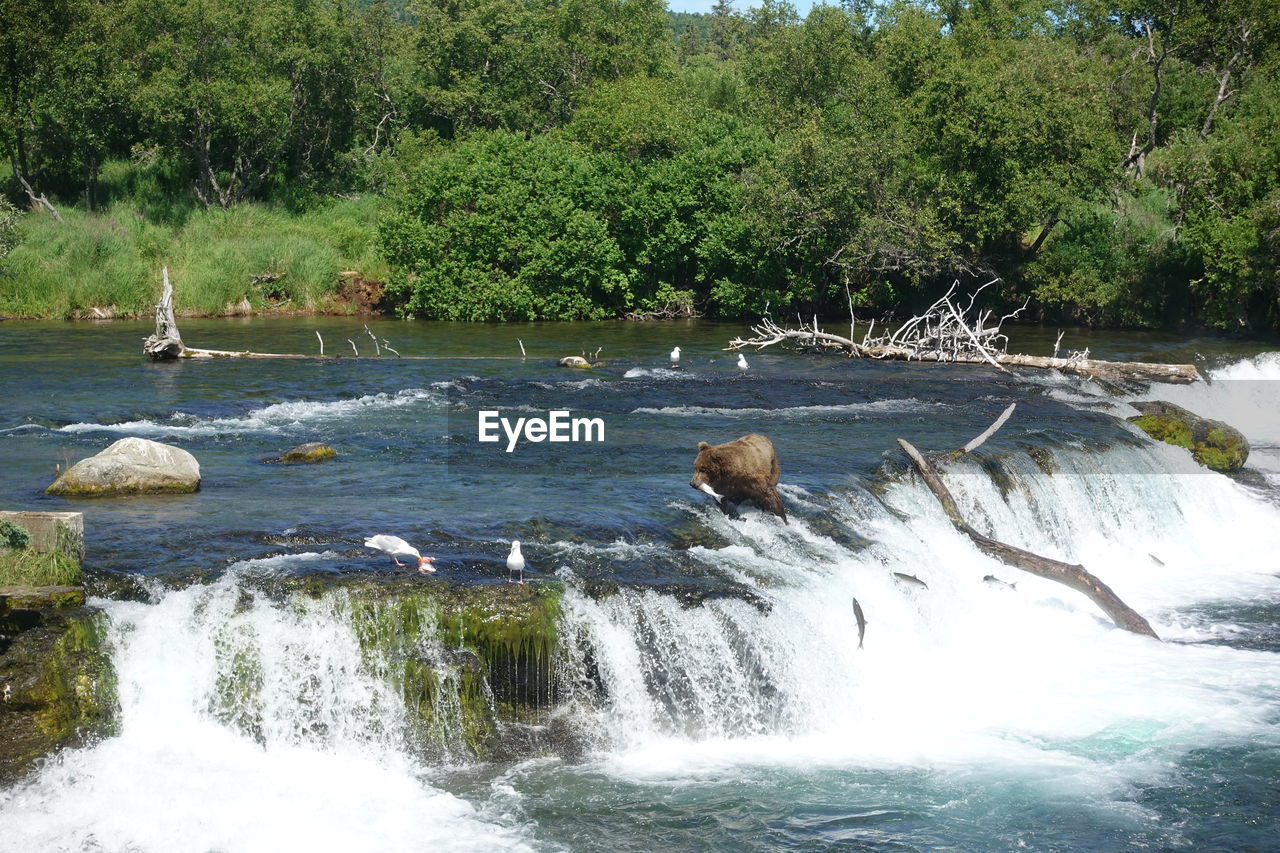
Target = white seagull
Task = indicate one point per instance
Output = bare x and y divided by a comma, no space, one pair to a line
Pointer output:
742,362
515,562
397,547
675,358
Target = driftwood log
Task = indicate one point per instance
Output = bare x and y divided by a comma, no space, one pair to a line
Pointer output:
1074,576
167,343
949,333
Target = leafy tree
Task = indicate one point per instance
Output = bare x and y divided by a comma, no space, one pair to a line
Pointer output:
1228,194
60,93
505,228
1016,134
242,92
524,65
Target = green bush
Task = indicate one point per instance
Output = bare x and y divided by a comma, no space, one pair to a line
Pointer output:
13,535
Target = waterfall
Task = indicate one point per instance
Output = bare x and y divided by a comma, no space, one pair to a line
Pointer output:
253,724
964,668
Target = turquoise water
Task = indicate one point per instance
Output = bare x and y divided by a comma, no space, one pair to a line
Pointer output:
976,717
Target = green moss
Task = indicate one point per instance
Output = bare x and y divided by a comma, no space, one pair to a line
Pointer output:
319,454
1216,448
1221,451
1043,458
1167,429
77,687
91,490
463,657
32,568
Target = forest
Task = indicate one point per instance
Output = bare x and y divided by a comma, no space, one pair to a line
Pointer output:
487,160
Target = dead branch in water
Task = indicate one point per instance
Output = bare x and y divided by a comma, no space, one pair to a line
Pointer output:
166,342
947,333
1072,575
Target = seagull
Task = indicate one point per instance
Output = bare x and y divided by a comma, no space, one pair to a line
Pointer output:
515,562
397,547
742,362
675,358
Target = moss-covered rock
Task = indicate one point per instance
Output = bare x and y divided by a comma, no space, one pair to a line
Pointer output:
1213,444
131,466
475,664
59,688
310,452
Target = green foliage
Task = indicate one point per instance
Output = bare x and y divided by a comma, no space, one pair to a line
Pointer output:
505,228
1228,188
26,567
112,258
13,535
523,64
9,235
583,158
1113,266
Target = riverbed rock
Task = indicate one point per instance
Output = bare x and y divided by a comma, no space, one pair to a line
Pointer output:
57,685
574,361
313,451
131,466
1213,444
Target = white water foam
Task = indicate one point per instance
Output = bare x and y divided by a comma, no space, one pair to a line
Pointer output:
658,373
909,404
964,673
310,760
276,418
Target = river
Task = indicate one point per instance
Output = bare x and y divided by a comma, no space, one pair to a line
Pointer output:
977,716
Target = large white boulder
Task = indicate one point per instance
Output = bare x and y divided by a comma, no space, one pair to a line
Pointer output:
131,466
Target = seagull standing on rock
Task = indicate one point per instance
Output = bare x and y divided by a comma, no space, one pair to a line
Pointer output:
675,359
397,547
515,562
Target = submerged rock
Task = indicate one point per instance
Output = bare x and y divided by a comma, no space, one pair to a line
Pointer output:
131,466
1213,444
313,451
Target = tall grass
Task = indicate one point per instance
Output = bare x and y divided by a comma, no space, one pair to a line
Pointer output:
27,567
111,258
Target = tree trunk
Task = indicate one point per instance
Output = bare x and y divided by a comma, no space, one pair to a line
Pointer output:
1074,576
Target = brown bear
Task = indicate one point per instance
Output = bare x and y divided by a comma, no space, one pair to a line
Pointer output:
744,469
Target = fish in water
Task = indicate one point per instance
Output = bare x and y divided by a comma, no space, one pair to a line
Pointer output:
1156,560
995,581
910,579
862,621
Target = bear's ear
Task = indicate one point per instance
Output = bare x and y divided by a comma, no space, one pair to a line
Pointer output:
702,445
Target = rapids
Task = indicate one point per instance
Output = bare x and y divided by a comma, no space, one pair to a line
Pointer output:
978,716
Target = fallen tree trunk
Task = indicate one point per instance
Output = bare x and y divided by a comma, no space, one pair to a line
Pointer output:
946,333
1074,576
1134,371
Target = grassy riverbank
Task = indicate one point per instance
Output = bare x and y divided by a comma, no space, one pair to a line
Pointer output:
249,258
